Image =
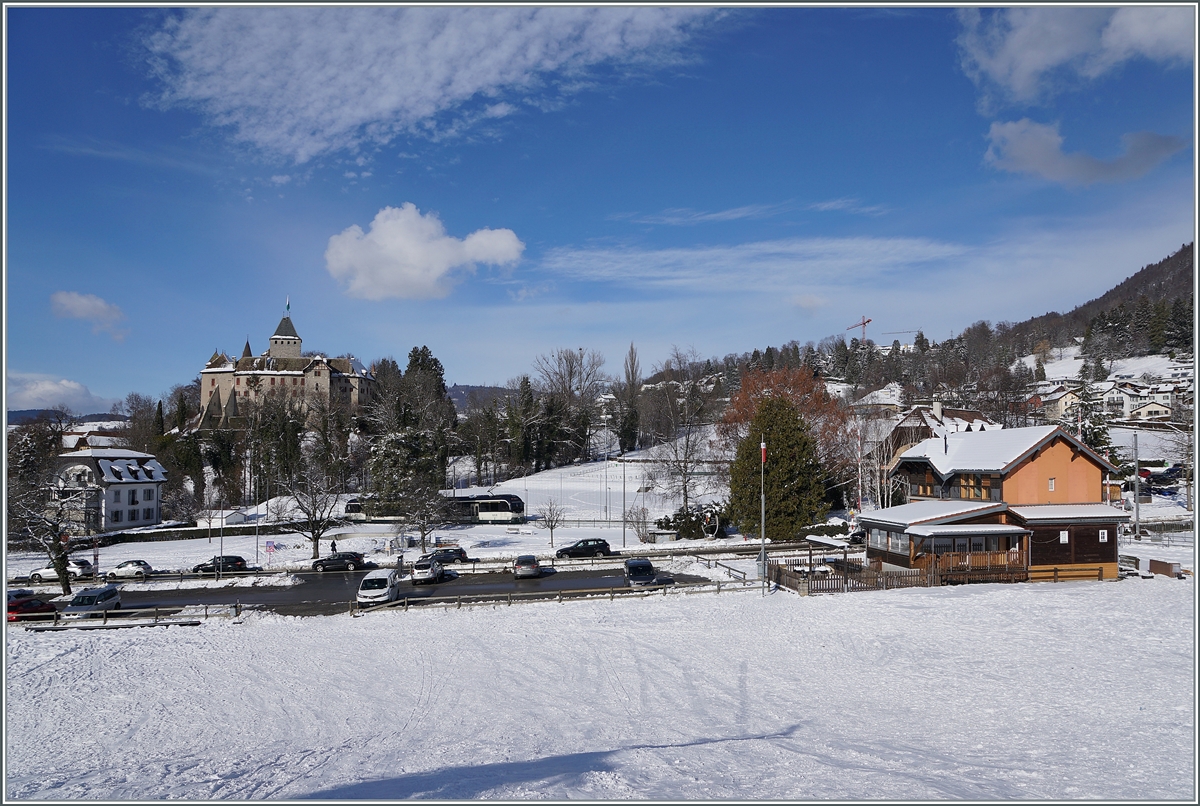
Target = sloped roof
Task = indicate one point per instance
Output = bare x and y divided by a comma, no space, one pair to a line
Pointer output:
966,529
246,352
1043,513
286,329
932,512
991,451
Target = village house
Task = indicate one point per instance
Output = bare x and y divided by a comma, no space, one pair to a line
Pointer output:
228,386
1017,503
113,488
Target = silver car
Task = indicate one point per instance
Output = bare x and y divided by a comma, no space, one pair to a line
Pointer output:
90,601
427,570
526,566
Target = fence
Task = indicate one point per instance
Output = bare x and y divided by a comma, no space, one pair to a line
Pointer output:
123,619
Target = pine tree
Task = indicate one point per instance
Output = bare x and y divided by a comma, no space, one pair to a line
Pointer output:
793,478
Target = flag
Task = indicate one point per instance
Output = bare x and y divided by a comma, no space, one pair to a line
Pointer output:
764,452
289,305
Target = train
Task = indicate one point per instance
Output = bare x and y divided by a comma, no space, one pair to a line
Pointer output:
493,508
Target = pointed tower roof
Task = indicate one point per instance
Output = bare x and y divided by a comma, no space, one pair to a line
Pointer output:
246,352
285,329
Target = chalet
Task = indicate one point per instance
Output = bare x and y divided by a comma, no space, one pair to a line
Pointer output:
115,487
1006,504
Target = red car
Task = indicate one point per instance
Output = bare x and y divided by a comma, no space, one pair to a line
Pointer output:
29,608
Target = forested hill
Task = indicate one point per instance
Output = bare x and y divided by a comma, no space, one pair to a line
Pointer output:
1161,282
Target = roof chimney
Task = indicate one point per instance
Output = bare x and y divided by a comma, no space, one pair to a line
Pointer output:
937,410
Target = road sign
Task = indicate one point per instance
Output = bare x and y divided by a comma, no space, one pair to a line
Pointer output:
270,546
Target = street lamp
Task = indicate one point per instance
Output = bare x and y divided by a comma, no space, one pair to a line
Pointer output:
606,470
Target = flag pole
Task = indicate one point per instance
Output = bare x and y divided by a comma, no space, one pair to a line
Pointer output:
762,517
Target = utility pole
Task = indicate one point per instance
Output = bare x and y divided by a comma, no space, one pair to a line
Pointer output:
1137,491
762,516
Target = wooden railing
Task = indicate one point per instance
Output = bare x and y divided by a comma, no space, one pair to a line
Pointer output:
973,561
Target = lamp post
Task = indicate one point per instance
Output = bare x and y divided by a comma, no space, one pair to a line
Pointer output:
762,516
606,470
624,516
221,558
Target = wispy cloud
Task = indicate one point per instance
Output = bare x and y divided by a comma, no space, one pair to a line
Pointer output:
120,152
848,205
1027,55
684,216
27,390
407,255
751,266
1024,146
104,316
304,81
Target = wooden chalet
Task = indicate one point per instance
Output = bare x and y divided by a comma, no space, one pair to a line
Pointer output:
1017,503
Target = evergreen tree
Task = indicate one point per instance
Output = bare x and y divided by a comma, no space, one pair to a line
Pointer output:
793,479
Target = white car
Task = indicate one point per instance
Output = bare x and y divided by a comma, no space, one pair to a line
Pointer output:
131,569
427,570
379,587
93,600
75,569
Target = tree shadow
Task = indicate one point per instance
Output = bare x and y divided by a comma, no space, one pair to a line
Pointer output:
471,782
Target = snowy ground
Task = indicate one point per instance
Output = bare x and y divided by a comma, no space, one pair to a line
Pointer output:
1075,690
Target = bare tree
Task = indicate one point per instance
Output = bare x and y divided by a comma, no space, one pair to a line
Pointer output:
576,378
317,501
684,404
639,519
420,508
551,516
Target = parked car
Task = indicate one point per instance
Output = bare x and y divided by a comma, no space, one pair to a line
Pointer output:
225,563
341,561
588,547
526,566
427,570
28,607
445,556
131,569
90,601
639,571
75,568
16,594
857,538
379,587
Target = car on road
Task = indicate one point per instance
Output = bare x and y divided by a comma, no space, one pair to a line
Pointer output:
90,601
75,568
526,566
225,563
451,554
639,571
340,561
131,569
427,570
379,587
28,607
588,547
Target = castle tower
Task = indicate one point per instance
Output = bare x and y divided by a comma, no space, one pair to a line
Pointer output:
285,343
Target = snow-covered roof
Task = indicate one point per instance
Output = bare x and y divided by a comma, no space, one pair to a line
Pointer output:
988,451
956,530
931,512
890,395
116,471
107,453
1038,513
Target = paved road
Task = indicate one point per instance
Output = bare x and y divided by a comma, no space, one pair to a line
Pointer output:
332,592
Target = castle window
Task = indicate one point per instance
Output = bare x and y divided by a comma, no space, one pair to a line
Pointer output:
317,373
272,381
301,381
238,381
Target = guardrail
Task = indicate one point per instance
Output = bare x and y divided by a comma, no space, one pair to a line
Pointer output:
127,618
735,573
611,593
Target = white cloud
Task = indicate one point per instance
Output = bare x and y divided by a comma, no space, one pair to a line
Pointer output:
303,81
683,216
281,179
1024,146
848,205
104,316
407,255
1025,53
36,391
752,267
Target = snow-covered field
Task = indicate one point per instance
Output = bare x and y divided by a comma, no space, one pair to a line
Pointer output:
1043,691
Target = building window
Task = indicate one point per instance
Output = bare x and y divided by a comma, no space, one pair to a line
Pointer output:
1051,485
116,516
133,513
971,486
133,498
272,381
301,381
148,495
238,381
148,514
317,373
116,496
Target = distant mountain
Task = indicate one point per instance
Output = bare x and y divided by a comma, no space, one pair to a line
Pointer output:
19,416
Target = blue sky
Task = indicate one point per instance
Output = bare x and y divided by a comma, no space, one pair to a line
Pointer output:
497,183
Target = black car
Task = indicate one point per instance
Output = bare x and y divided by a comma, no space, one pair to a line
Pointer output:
452,554
589,547
341,561
227,563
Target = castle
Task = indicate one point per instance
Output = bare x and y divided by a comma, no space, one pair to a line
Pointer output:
229,386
